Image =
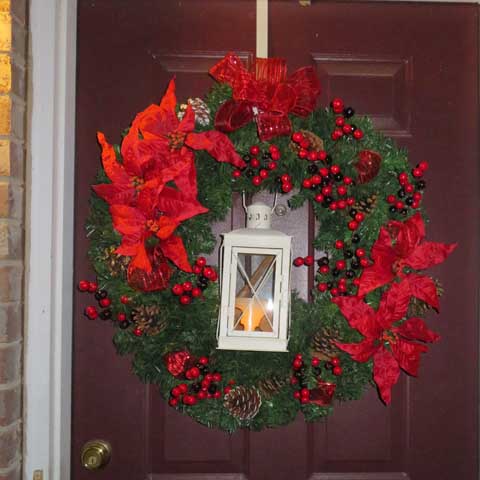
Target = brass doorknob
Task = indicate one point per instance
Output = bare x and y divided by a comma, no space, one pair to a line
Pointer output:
96,454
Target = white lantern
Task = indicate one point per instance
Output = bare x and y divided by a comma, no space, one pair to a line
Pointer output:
255,285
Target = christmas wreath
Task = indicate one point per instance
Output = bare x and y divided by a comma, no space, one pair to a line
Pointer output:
173,176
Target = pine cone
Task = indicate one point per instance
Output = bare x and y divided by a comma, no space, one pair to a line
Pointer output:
149,320
419,308
202,112
322,344
243,402
366,205
270,386
117,264
316,143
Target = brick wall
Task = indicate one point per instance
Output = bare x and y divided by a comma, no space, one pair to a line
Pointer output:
13,38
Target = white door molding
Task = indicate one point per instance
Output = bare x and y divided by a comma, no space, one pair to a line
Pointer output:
50,177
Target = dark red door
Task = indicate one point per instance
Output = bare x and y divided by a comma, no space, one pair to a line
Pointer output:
413,69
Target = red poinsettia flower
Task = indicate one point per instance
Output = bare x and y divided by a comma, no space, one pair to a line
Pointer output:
409,251
148,219
393,346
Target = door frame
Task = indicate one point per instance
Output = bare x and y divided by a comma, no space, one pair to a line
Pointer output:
49,262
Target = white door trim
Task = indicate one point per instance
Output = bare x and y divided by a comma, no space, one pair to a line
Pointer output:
50,178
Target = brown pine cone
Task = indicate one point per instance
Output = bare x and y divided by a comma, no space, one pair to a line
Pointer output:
270,386
117,264
316,143
202,112
243,402
366,205
322,344
149,320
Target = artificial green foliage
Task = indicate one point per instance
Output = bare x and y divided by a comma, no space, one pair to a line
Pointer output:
193,327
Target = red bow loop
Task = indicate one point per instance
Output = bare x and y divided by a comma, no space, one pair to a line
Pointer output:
264,94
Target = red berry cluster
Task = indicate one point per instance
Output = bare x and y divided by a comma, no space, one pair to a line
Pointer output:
186,291
302,393
259,170
285,182
343,128
409,195
101,296
340,275
306,152
204,385
308,261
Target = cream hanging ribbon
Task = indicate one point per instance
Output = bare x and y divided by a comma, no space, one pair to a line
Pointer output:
262,28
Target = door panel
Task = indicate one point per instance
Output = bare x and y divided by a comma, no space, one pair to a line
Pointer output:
396,63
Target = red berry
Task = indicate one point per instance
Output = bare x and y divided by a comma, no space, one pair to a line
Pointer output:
347,129
201,261
175,392
105,302
337,371
296,394
316,179
356,282
358,134
183,388
194,372
417,196
341,190
327,190
203,360
287,187
359,217
312,156
307,183
275,156
340,121
293,380
337,133
227,390
335,361
333,206
187,286
272,165
391,199
417,172
360,252
297,137
286,178
337,105
341,204
353,225
83,285
415,204
334,292
91,312
324,172
254,150
322,155
236,174
347,180
339,244
409,188
364,262
299,356
138,332
177,289
298,262
254,163
303,153
185,299
423,166
315,362
121,317
305,143
92,287
350,201
217,377
399,205
197,270
403,178
309,260
256,180
305,392
304,400
319,198
217,394
124,299
335,169
208,272
173,402
272,148
340,265
322,287
342,288
201,395
196,292
324,269
297,364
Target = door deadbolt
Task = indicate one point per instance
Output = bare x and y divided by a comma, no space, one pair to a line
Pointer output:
96,454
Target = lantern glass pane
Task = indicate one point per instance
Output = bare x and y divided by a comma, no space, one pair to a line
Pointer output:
254,296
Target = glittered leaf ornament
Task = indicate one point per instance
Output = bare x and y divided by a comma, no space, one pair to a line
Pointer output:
157,278
176,362
368,166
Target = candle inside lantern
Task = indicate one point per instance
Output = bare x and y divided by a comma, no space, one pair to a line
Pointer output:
253,315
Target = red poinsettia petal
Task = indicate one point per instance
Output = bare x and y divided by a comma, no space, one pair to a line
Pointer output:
217,144
385,373
114,170
115,193
408,234
130,245
132,159
394,304
186,180
188,121
141,260
127,220
429,254
416,329
359,315
166,227
423,288
174,249
407,355
147,201
178,205
360,352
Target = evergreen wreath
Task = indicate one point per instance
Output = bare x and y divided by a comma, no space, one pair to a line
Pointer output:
174,175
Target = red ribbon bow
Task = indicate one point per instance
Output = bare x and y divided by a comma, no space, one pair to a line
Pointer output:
264,94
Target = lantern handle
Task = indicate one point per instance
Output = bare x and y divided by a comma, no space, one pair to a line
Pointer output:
244,202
